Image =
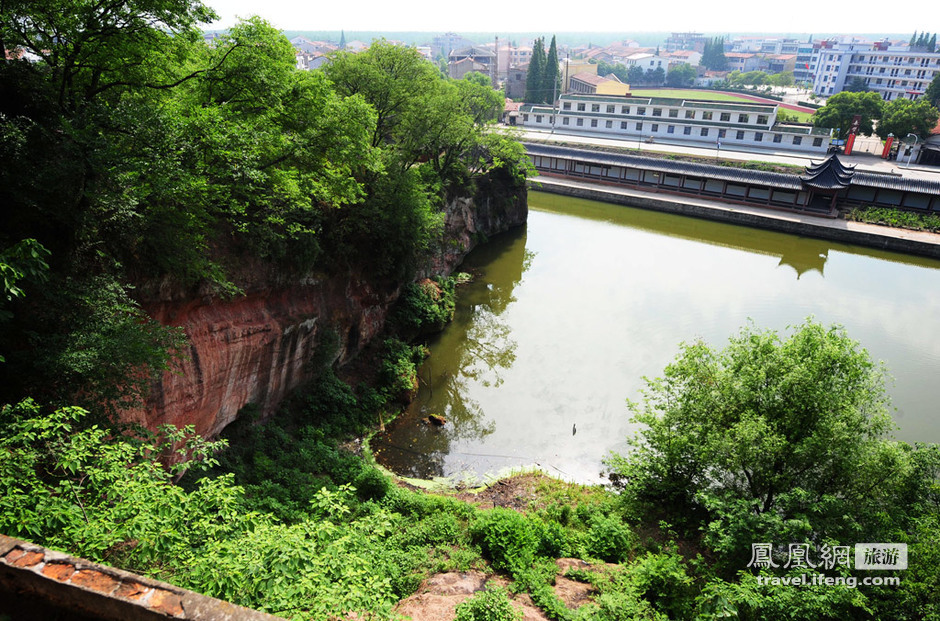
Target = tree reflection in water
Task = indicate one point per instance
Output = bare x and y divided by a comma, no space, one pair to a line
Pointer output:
476,349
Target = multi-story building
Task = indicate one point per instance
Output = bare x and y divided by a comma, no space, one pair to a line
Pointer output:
683,56
778,63
443,45
515,81
647,62
742,61
892,71
804,57
761,45
593,84
702,123
694,41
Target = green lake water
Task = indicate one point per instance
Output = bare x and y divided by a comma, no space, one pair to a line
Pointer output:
567,314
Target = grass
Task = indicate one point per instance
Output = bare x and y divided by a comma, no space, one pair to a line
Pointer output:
677,93
801,117
708,95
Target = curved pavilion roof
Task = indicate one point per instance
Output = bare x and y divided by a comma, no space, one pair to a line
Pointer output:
829,175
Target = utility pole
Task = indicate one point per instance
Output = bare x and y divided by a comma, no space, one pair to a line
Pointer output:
496,66
555,104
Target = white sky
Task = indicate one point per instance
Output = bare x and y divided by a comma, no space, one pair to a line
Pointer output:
551,16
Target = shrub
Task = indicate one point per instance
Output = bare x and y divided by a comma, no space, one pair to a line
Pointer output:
661,579
887,216
425,306
399,369
553,539
491,604
506,539
609,539
371,484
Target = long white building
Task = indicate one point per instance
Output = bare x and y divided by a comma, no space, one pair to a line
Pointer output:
894,72
699,123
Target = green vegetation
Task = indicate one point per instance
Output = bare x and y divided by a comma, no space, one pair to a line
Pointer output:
426,306
902,117
782,440
543,83
842,107
155,161
896,218
899,117
933,91
713,56
680,75
491,604
924,42
769,440
160,165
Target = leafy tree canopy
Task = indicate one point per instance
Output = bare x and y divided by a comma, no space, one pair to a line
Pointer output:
933,91
841,108
153,155
680,75
772,439
903,116
856,85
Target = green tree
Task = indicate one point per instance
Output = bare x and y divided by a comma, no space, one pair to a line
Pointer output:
771,439
655,76
550,77
535,74
782,79
842,107
477,78
635,75
903,116
680,75
752,78
617,69
933,91
713,57
856,85
93,48
388,77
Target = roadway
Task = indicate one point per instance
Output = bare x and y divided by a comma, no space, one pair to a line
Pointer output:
865,161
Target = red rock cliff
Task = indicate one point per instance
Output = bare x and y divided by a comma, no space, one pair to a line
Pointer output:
253,348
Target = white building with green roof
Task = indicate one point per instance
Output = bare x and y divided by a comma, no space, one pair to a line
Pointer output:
682,121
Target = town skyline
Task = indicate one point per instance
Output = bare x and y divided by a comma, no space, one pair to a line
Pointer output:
604,17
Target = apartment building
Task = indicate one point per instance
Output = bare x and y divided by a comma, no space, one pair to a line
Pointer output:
892,71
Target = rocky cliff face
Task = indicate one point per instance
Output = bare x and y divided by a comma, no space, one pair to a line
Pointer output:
254,348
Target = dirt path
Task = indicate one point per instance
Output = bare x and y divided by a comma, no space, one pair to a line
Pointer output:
439,595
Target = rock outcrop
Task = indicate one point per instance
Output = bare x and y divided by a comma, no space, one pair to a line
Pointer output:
256,348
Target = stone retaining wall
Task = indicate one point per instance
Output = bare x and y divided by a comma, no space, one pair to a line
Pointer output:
833,230
39,583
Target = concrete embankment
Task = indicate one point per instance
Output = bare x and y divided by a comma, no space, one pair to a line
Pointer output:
859,233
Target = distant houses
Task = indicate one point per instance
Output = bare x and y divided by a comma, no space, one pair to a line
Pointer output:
893,69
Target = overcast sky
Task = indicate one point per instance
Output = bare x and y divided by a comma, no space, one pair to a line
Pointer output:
710,16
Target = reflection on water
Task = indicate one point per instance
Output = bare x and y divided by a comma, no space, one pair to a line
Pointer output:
474,350
566,316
